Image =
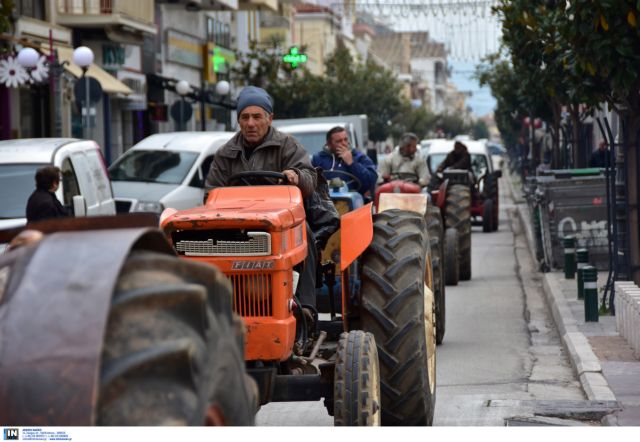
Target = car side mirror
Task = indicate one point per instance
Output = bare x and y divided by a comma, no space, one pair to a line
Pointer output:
498,173
79,206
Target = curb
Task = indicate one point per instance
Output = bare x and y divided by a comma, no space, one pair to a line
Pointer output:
585,363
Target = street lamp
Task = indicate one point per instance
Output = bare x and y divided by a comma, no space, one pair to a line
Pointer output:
28,58
182,88
83,57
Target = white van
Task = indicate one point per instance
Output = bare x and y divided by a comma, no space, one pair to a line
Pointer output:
85,186
165,170
313,136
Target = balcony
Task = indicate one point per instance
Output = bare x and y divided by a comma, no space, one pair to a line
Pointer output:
137,16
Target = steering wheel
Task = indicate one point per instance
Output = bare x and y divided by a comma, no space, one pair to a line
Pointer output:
406,176
263,176
349,181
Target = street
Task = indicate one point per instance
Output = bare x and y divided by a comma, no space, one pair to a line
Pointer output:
501,359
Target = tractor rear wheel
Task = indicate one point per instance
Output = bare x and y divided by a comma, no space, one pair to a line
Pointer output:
491,191
487,216
356,385
436,242
458,215
399,310
171,354
451,256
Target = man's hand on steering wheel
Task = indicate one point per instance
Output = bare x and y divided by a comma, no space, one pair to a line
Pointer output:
292,176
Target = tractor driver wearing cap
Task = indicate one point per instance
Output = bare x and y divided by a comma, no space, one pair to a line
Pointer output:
260,147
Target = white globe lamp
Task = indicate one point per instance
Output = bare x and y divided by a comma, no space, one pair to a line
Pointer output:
222,87
28,58
83,57
183,87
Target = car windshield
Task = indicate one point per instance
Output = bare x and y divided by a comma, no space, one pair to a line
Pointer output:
478,163
153,166
313,142
17,182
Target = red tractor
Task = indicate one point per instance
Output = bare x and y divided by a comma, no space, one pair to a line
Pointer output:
373,361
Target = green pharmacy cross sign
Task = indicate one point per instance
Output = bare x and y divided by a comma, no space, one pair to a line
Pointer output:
218,60
294,57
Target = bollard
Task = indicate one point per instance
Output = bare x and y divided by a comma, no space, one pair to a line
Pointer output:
569,257
583,260
590,277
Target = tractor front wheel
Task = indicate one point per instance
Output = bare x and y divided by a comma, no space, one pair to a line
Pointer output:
356,386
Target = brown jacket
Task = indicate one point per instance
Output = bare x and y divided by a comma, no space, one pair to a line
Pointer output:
277,152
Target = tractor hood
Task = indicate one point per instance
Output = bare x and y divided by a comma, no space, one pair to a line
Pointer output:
272,208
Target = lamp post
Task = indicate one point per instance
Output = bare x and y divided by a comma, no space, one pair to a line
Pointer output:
83,57
182,88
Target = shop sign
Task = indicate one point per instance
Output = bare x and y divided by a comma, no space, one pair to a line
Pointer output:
184,49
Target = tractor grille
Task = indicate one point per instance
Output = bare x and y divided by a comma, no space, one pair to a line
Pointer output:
252,294
256,244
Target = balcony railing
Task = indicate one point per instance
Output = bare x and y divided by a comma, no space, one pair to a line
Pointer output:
139,10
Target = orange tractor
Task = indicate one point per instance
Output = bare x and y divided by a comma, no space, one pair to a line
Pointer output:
373,360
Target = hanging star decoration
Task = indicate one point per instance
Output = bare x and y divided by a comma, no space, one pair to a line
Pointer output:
41,72
11,73
294,57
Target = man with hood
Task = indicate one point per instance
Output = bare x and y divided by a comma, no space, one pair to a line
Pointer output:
338,155
458,158
405,161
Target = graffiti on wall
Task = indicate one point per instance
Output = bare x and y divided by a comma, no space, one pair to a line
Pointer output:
587,233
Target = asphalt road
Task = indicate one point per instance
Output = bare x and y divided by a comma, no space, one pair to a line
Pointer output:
501,357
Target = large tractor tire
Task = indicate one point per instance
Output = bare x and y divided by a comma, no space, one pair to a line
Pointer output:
491,191
487,216
171,353
436,243
451,256
398,308
458,215
356,386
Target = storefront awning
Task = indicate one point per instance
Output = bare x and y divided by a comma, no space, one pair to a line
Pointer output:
109,83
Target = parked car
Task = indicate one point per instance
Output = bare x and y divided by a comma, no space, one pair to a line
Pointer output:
498,154
84,190
165,170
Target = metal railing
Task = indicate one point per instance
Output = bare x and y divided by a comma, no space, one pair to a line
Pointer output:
141,10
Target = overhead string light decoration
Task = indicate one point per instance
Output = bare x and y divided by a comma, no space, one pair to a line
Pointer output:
468,28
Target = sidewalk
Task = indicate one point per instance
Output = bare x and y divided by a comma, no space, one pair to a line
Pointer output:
602,359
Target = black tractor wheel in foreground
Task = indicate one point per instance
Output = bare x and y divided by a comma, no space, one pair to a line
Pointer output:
356,386
458,215
436,242
171,353
399,310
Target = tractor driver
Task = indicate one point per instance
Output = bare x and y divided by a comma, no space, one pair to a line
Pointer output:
458,158
338,155
405,161
260,147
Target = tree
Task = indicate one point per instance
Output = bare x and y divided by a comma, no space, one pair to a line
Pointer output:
6,9
480,130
